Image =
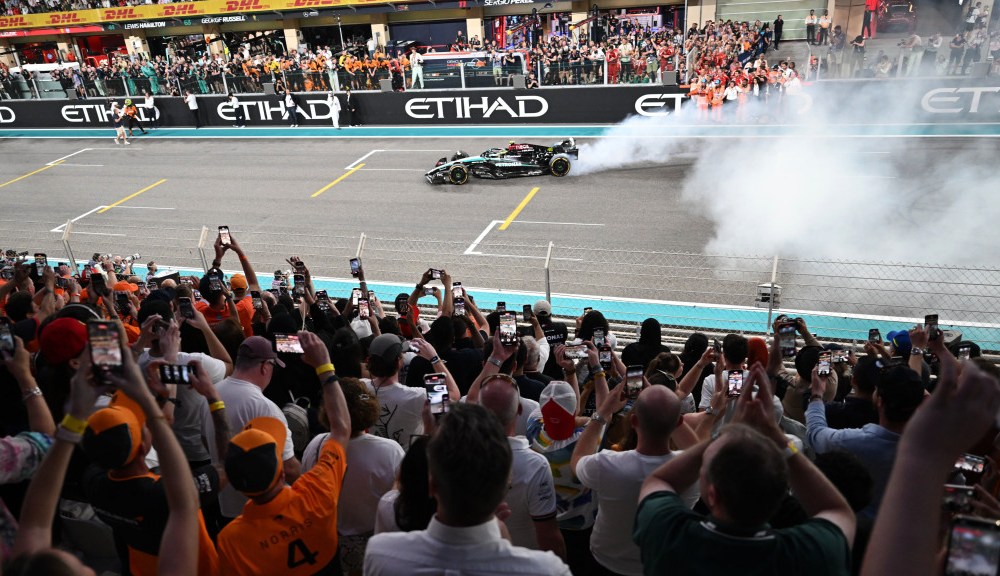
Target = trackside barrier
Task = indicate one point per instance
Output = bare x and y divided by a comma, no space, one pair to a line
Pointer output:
840,299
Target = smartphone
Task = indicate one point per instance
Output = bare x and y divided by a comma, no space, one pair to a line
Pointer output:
299,278
196,293
840,356
604,357
734,379
322,295
151,285
6,340
460,307
527,312
964,352
786,339
121,301
355,267
255,299
363,310
501,307
437,393
456,290
598,338
300,286
428,290
435,274
105,347
970,463
958,498
288,343
141,286
508,329
355,296
576,352
175,374
40,262
300,265
973,546
874,336
633,381
823,368
587,310
215,284
224,235
717,346
98,283
187,309
931,323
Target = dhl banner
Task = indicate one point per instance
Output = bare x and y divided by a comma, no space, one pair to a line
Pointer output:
180,10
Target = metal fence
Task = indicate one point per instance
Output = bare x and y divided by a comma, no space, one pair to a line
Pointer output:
842,299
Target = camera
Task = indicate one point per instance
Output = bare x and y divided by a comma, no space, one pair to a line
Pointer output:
132,258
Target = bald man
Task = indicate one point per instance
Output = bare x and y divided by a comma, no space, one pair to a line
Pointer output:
532,497
617,477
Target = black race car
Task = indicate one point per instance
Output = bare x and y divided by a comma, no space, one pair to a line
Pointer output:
514,161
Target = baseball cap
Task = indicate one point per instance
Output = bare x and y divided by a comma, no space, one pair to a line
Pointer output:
558,404
114,434
253,461
124,286
542,307
388,347
258,348
239,282
901,340
62,340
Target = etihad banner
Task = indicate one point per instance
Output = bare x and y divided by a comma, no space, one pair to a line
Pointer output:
178,11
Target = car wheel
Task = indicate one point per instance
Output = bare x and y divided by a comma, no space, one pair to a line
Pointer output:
560,165
458,175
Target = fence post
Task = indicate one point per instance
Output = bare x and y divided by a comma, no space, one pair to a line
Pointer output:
67,232
201,247
770,301
225,85
461,70
548,277
125,86
361,246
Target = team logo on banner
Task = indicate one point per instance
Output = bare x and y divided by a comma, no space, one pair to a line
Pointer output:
463,107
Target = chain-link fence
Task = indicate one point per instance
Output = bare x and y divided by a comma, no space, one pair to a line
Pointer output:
840,299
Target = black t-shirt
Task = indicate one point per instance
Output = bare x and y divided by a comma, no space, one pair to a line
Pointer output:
853,412
464,365
555,333
528,387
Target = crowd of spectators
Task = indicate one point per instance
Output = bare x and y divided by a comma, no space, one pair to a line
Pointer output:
216,426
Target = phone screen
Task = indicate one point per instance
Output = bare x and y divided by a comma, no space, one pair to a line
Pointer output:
456,290
971,463
874,336
604,357
215,284
973,547
460,307
931,323
786,339
840,356
527,312
105,346
930,320
255,299
633,381
958,498
437,392
6,339
355,296
717,346
823,369
322,295
964,352
40,262
576,352
363,311
508,329
175,374
598,338
187,309
435,274
501,307
734,379
98,284
288,343
587,311
355,267
224,235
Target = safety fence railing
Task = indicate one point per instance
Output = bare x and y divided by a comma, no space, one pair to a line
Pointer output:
725,293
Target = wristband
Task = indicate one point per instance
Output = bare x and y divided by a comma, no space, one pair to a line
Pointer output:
790,450
595,369
332,379
73,424
36,391
66,436
435,359
599,374
494,361
324,368
216,406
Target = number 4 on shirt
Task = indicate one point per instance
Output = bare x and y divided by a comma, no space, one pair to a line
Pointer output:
299,554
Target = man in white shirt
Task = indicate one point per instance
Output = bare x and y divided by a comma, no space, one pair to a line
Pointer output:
401,406
469,461
532,497
417,69
334,104
616,477
243,393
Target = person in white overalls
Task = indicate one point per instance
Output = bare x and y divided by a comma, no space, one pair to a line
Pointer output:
417,67
334,104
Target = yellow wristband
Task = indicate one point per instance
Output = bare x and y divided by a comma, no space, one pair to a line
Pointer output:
791,450
216,406
73,424
324,368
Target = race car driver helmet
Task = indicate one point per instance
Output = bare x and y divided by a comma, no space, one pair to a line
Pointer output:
459,155
128,102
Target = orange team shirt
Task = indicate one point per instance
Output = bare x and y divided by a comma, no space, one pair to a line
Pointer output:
244,307
293,534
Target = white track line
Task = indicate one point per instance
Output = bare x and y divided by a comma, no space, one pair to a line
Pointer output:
472,247
554,223
360,160
83,165
61,226
143,208
67,156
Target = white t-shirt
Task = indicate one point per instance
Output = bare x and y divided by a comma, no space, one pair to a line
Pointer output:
527,407
532,494
400,415
616,478
708,389
192,102
385,516
373,463
244,402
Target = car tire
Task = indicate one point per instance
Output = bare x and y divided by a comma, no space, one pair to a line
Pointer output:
560,165
458,175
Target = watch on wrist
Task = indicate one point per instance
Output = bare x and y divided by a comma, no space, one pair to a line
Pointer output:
494,361
596,417
915,351
710,411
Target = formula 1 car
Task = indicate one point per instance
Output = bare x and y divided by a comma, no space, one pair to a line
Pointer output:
514,161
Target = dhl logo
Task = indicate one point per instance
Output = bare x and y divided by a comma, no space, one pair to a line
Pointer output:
64,18
119,14
180,10
12,21
313,3
244,5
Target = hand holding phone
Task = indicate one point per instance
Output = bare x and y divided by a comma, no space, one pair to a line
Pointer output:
224,236
437,393
186,307
355,267
508,329
288,343
734,383
633,381
823,368
105,348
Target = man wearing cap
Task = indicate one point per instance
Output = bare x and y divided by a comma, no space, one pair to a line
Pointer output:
553,431
556,333
243,393
126,495
289,530
401,405
898,393
469,464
